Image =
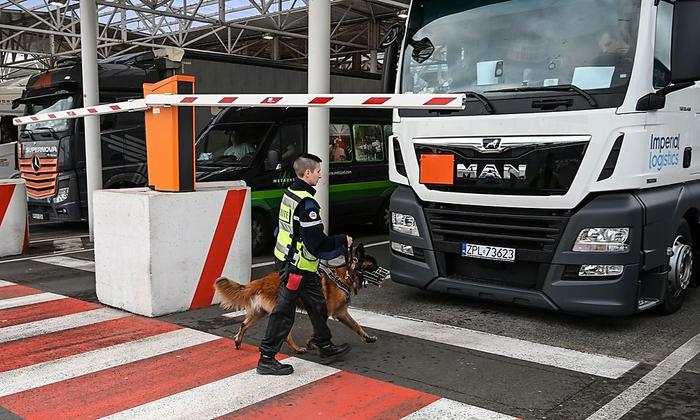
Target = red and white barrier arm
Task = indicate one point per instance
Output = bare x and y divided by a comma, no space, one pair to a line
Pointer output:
130,106
399,101
417,101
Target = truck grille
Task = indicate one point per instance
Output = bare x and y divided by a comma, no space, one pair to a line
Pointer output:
533,233
41,183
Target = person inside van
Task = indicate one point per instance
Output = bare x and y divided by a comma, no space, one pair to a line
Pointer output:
238,147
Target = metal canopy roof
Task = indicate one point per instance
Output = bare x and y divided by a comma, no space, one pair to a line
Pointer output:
34,34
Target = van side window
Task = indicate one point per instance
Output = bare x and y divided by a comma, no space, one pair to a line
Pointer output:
339,143
369,145
662,45
288,143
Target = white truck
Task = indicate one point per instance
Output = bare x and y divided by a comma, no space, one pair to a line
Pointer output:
571,180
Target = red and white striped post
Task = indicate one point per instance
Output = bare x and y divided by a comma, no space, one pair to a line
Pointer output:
14,232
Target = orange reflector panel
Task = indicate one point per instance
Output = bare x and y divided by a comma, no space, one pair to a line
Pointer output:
437,169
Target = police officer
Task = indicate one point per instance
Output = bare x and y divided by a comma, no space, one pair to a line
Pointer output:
301,242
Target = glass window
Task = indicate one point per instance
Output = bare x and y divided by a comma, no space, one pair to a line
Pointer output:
388,131
369,145
662,45
231,144
287,144
339,143
48,105
457,45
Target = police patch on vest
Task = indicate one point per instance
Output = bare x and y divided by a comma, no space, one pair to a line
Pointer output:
313,215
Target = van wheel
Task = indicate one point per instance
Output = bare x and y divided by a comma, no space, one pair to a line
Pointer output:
681,271
383,220
260,232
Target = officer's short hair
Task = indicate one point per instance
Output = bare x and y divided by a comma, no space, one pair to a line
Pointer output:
304,162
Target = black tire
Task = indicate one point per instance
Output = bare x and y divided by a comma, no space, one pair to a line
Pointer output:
261,232
675,290
383,220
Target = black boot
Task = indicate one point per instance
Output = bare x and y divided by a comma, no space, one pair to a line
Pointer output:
270,366
330,353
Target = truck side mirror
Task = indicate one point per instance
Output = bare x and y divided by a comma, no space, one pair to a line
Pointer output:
272,160
685,55
391,44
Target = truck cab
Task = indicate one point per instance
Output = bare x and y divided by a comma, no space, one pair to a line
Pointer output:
51,154
571,179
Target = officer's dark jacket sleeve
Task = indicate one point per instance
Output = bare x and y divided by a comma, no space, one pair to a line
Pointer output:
315,240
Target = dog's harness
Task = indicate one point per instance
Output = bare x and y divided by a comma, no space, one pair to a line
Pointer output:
335,279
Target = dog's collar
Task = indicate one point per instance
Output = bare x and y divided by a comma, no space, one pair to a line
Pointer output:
335,279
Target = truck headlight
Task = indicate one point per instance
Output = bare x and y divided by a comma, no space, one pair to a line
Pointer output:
602,240
404,223
62,195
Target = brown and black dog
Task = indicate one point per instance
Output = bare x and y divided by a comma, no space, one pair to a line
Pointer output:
259,297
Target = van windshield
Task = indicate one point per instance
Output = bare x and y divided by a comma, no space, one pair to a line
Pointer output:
231,144
486,45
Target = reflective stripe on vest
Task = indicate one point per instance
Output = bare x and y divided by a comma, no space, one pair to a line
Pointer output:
299,257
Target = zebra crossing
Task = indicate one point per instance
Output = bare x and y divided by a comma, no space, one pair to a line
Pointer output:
66,358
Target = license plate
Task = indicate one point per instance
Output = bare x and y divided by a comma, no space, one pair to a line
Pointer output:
37,216
486,252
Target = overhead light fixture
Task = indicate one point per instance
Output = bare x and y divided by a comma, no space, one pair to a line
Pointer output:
402,14
58,3
268,35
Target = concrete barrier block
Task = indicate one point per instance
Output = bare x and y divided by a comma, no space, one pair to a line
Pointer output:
157,253
14,232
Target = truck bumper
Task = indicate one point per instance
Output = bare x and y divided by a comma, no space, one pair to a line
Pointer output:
549,280
67,210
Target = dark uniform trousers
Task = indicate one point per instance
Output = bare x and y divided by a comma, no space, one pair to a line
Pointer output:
308,290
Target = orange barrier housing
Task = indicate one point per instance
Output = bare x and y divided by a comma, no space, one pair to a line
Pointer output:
170,138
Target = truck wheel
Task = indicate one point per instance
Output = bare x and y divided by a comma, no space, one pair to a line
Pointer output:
681,271
260,232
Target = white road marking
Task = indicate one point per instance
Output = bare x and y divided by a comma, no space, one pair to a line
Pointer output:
377,244
227,395
29,300
41,374
445,409
4,283
33,257
59,239
589,363
641,389
60,323
68,262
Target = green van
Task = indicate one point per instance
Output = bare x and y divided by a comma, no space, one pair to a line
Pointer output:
259,145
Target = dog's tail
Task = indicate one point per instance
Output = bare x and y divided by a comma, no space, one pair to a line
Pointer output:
232,293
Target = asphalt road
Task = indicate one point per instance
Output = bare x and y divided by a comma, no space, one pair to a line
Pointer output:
487,379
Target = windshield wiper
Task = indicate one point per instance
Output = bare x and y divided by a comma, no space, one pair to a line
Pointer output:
49,129
556,88
479,97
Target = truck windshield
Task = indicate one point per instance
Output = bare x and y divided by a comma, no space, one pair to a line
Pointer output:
46,105
485,45
231,144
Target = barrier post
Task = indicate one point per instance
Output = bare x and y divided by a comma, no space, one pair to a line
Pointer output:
159,250
14,232
170,138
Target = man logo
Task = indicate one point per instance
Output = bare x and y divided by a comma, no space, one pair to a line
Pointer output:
491,171
36,164
491,144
